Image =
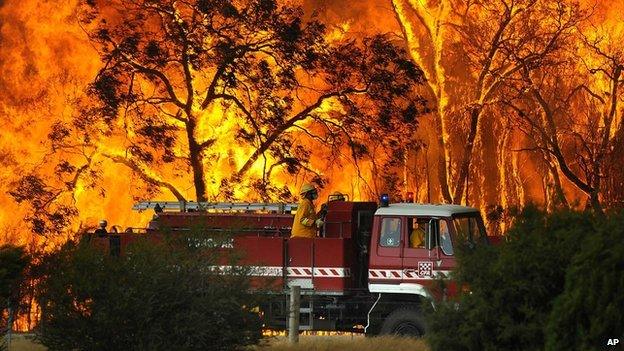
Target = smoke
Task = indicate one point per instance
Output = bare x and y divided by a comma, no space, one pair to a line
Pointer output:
363,17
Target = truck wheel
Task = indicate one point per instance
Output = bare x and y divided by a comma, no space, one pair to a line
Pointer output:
404,322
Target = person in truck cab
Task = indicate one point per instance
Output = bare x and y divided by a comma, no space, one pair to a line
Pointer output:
306,220
417,236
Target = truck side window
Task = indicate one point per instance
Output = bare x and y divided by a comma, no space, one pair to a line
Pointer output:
390,232
468,229
445,239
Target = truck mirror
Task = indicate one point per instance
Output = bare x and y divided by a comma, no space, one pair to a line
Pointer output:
431,237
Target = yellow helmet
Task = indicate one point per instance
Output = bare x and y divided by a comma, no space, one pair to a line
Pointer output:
336,193
306,187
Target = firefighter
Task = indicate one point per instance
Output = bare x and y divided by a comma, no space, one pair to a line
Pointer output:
417,237
101,231
306,220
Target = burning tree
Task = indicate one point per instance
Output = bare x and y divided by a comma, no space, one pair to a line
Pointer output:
470,51
541,78
172,65
574,119
230,91
272,95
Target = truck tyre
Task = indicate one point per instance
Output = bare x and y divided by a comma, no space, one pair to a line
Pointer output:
404,322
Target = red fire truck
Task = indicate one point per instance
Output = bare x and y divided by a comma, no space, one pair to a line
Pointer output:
369,270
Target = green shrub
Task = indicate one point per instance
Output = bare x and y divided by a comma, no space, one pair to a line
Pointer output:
512,286
155,296
13,263
590,309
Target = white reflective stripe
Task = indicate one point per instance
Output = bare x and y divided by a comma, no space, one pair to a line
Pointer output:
265,271
399,274
255,271
403,288
291,272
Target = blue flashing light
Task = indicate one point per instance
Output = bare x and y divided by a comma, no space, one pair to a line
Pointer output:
384,200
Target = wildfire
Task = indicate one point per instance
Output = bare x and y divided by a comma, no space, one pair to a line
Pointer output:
48,60
509,123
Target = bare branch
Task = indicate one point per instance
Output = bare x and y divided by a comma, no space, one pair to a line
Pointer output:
144,175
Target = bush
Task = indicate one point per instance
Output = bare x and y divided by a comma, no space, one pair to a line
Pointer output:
512,286
13,262
156,296
590,309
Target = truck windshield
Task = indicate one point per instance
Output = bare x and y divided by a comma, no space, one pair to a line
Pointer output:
469,229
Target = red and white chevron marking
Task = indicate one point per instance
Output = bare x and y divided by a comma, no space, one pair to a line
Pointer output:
292,272
385,274
332,272
299,272
318,272
407,274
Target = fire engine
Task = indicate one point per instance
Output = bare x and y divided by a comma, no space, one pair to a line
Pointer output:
364,272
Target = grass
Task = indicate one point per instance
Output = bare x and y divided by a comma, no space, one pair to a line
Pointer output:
344,343
23,342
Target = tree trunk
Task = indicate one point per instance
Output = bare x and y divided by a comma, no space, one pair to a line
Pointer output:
415,44
594,200
197,162
561,198
502,162
465,165
442,160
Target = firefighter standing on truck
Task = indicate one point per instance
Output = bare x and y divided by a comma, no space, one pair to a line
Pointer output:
306,220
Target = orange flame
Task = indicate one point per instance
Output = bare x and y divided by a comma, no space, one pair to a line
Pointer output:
49,60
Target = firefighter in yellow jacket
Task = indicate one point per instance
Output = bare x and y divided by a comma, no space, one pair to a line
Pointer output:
306,220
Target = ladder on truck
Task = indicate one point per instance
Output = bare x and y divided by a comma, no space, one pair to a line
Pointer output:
192,206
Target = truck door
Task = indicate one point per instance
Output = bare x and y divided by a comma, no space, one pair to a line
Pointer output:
428,250
386,263
444,250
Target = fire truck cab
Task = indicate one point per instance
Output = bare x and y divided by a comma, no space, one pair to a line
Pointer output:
414,243
412,246
369,269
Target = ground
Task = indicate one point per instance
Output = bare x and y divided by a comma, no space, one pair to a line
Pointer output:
345,343
317,343
22,342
